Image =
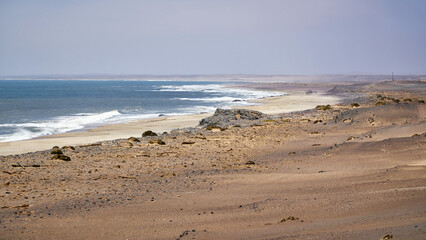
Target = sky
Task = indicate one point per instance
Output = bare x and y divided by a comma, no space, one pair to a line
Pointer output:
212,37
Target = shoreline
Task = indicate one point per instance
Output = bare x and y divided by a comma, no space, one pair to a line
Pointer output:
294,100
359,163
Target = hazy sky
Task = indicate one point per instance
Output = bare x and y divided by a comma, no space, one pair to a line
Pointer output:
211,37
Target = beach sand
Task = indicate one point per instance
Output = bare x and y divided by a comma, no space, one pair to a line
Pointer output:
349,172
294,101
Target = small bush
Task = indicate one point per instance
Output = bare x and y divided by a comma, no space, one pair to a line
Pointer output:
323,107
355,104
56,151
380,103
61,157
350,138
68,147
407,100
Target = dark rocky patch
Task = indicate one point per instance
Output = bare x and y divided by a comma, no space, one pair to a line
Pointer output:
149,133
223,118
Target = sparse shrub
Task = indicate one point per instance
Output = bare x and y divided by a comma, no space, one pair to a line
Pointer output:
421,101
350,138
68,147
380,103
407,100
61,157
323,107
250,163
56,151
355,104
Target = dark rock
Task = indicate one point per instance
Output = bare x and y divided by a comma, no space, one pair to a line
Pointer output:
157,141
228,117
250,163
149,133
133,139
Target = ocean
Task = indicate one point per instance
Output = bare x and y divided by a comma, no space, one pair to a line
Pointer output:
35,108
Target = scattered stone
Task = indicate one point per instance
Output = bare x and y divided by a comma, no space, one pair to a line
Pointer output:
133,139
214,127
250,163
292,153
149,133
187,142
355,105
380,103
157,141
17,207
91,145
317,121
126,144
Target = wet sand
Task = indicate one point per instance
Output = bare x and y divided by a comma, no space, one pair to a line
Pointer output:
349,172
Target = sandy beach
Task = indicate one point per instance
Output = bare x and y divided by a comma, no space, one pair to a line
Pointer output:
294,101
351,168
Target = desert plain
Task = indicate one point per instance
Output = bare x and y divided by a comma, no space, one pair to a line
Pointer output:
353,167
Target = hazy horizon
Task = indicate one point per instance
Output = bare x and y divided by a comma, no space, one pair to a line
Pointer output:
271,37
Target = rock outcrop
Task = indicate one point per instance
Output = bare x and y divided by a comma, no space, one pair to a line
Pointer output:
223,118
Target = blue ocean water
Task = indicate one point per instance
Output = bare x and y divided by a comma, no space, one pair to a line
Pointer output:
34,108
